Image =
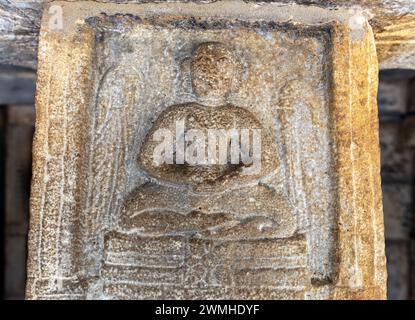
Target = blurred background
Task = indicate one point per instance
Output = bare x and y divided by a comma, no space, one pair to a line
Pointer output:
397,137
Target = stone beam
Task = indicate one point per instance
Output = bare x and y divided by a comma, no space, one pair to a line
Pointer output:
393,22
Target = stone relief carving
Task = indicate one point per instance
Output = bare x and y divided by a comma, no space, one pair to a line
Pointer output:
176,230
205,211
217,207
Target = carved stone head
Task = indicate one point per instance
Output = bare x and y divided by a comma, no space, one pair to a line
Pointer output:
215,71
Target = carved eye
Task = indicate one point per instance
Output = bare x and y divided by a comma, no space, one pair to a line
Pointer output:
207,148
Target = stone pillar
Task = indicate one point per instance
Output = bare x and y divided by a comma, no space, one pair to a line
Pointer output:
133,195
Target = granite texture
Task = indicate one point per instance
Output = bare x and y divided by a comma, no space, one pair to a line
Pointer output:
107,224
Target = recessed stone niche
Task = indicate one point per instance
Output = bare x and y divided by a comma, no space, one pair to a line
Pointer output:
107,223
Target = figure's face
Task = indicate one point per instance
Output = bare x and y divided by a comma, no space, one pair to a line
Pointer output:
214,71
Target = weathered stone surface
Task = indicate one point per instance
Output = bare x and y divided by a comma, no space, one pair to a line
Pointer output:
395,40
393,22
107,223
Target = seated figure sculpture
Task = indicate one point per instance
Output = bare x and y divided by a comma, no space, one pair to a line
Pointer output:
216,228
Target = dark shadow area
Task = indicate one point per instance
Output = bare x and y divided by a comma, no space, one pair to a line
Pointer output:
397,140
2,200
17,117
